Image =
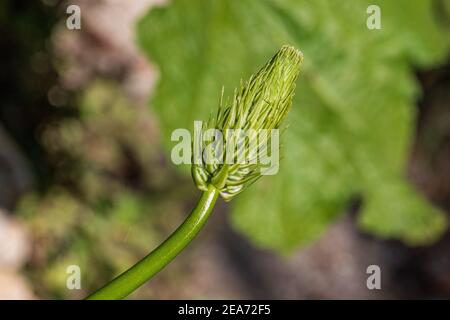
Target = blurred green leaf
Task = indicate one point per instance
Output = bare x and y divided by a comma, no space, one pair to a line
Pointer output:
353,116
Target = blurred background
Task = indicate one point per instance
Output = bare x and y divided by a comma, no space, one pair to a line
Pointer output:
86,177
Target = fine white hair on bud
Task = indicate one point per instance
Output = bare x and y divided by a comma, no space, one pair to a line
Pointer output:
239,137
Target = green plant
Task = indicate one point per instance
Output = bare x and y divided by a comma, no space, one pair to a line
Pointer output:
108,222
261,103
353,133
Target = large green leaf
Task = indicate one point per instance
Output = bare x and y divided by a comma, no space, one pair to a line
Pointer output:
353,115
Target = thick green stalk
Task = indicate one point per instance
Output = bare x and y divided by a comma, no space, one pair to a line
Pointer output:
142,271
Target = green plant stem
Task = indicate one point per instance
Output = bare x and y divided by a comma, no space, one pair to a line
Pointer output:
142,271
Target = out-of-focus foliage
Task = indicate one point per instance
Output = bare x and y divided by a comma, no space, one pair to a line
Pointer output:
101,242
27,75
99,215
353,116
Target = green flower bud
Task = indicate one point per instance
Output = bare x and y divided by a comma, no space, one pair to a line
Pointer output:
233,152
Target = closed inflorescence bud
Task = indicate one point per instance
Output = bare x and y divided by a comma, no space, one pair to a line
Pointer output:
233,149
